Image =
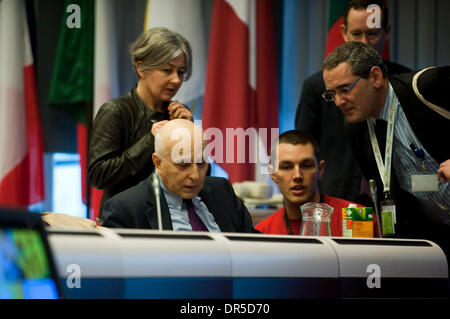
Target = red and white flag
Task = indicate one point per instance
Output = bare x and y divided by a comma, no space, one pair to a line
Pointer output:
21,147
241,92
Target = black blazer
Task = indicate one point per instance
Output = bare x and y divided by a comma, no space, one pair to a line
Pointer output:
432,130
136,207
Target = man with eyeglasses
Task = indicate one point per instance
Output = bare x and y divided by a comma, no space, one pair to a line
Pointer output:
324,121
397,128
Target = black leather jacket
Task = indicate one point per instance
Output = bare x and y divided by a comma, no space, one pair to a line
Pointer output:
121,145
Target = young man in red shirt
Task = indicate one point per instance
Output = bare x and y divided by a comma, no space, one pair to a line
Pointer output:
297,176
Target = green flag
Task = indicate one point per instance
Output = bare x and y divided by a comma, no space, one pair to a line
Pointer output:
71,88
335,19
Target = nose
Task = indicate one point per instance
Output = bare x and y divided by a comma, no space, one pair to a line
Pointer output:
194,172
175,78
364,39
339,100
297,173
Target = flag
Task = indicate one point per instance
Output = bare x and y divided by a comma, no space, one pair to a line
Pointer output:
71,86
241,82
85,74
21,146
335,20
186,18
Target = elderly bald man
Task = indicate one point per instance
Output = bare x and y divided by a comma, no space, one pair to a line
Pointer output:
189,199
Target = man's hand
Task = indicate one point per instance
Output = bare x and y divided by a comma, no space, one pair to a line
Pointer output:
444,171
64,220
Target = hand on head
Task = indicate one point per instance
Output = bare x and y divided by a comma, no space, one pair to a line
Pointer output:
179,111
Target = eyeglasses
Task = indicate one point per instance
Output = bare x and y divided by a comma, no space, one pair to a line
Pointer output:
330,96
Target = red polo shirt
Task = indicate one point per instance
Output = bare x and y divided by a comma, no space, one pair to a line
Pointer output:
275,224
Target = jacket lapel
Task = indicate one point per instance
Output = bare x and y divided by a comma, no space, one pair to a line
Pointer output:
380,131
151,212
207,198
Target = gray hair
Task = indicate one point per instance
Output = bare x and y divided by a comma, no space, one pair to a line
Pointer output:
158,46
361,58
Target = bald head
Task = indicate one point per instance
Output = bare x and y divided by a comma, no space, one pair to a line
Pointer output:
179,139
178,157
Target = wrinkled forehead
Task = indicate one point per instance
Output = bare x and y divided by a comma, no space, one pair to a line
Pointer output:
337,76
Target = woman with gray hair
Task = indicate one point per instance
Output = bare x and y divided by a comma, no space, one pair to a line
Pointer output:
122,137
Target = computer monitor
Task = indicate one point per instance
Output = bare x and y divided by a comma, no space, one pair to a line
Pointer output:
27,269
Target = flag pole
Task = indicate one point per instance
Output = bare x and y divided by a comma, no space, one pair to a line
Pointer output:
89,108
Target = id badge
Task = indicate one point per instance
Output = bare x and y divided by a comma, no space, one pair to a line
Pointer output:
424,183
388,218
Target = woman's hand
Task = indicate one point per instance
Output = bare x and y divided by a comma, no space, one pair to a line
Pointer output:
179,111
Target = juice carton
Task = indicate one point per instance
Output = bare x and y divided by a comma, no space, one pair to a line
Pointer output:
357,222
347,227
362,222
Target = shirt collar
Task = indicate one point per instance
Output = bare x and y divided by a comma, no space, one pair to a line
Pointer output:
385,110
174,200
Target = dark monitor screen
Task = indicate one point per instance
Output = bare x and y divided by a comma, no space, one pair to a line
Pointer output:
26,265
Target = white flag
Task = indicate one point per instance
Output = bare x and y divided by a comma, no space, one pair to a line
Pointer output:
186,18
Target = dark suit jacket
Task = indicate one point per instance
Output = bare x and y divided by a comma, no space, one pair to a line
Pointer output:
136,207
432,130
324,121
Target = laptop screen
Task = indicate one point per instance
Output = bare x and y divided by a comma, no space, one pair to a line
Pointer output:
26,264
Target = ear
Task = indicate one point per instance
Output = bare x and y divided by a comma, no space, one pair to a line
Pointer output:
322,165
376,76
157,162
343,29
274,178
140,69
272,174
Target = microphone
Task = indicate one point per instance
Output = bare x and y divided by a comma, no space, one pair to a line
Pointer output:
373,192
155,184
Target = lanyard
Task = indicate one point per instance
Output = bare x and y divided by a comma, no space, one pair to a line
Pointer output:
385,168
288,224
